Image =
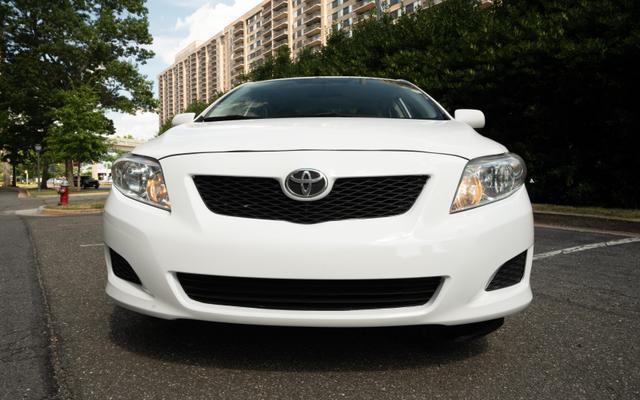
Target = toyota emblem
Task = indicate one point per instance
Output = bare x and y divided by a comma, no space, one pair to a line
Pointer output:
306,183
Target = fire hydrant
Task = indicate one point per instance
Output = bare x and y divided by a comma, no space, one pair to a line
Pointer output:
64,193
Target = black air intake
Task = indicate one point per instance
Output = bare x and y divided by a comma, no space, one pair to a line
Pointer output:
309,294
122,269
350,198
510,273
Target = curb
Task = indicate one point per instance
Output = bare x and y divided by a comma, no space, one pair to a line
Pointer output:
75,195
58,212
587,222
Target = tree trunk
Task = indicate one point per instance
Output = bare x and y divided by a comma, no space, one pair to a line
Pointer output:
14,180
68,172
79,164
6,174
44,174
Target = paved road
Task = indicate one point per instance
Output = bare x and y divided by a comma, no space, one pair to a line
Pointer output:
24,334
578,340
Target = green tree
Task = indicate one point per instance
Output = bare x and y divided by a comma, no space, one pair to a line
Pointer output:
79,130
50,47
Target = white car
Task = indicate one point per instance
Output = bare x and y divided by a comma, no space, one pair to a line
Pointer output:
327,202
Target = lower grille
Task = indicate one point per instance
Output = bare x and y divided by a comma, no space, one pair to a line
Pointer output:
510,273
350,198
309,294
122,269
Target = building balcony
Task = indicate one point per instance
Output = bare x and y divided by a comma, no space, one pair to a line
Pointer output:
277,45
237,61
239,24
313,8
278,4
313,30
239,41
312,19
311,2
277,36
313,41
278,15
362,7
280,25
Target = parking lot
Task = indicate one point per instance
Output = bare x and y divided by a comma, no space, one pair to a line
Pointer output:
578,340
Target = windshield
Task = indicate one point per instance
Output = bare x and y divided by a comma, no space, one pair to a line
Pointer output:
325,97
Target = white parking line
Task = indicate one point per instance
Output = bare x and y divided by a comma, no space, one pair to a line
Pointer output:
92,245
584,247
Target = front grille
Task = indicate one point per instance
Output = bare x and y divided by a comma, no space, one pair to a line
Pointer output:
510,273
309,294
263,198
122,269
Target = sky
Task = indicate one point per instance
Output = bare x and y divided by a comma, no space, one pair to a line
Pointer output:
174,24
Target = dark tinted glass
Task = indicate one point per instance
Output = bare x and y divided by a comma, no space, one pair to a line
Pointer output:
326,97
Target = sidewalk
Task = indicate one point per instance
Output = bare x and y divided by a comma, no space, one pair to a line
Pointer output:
590,222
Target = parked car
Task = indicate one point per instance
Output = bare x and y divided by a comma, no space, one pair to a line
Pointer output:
329,202
52,182
88,182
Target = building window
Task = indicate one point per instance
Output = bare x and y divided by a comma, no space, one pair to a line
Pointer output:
335,3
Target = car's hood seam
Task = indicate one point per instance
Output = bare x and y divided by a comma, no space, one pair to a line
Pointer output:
294,150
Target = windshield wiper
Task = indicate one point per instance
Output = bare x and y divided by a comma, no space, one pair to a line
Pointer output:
227,118
324,115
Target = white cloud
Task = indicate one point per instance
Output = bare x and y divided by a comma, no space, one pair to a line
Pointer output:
202,24
142,125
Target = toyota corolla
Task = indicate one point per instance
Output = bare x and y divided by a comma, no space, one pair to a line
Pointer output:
327,201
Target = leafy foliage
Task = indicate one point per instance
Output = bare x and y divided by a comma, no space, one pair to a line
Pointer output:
556,79
51,49
80,128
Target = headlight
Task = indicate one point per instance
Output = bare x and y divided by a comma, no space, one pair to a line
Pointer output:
141,179
487,179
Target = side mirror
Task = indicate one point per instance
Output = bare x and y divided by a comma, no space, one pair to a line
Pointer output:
183,118
473,118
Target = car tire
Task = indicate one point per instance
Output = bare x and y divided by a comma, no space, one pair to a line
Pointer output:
97,186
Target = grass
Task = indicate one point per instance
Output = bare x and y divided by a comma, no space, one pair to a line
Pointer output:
597,211
79,205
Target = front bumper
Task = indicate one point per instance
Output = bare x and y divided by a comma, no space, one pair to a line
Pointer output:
465,248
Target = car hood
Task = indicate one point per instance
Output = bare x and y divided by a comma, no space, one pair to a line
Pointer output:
291,134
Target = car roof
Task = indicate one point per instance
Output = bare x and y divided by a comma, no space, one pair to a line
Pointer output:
332,77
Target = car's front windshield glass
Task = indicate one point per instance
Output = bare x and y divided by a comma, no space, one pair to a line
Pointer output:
325,97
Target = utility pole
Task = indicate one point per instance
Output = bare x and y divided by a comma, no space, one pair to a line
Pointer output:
38,174
378,8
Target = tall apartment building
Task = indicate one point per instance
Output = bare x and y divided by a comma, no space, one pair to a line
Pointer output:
202,69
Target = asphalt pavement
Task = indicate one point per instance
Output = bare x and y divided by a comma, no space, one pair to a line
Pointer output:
578,339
